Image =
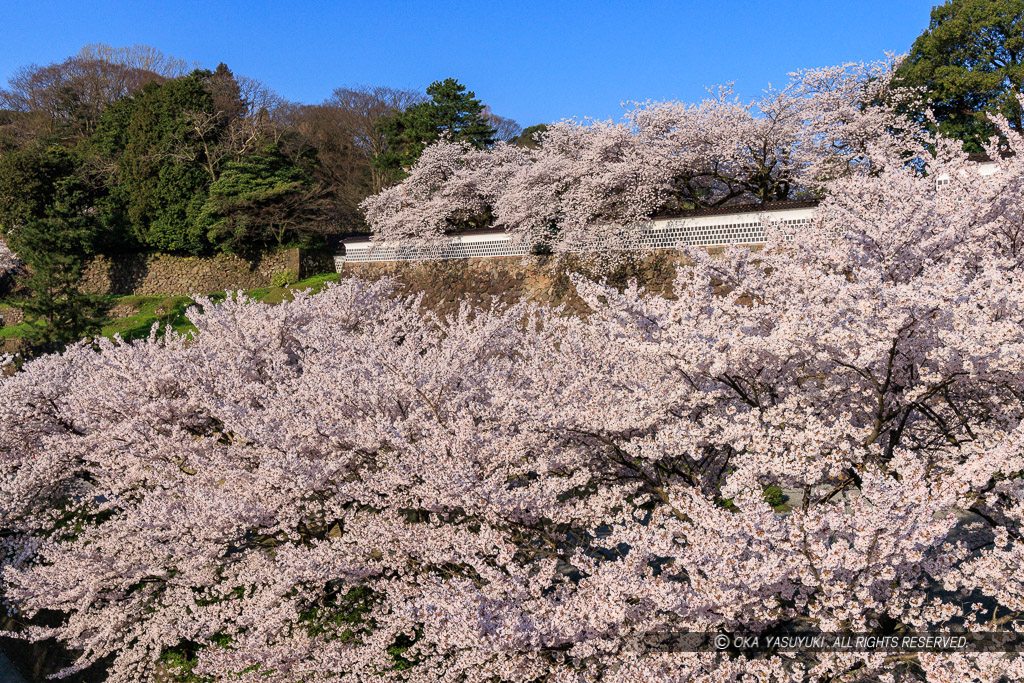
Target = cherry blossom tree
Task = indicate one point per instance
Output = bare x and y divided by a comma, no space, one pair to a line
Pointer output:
453,186
589,186
583,175
9,261
348,487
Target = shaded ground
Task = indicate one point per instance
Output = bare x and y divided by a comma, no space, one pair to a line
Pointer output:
8,674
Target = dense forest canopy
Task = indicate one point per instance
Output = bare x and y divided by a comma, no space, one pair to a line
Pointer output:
118,150
188,160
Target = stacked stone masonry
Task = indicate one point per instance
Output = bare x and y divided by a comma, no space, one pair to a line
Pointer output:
446,283
163,274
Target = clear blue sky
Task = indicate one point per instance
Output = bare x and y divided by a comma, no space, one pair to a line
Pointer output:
532,61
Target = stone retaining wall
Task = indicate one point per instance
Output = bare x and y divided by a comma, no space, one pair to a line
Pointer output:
510,278
10,316
163,274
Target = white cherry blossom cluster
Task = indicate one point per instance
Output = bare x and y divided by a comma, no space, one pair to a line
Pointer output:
589,186
9,261
346,487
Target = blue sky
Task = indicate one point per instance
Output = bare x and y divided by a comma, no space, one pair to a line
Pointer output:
531,61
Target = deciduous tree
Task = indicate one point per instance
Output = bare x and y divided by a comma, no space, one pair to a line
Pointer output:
589,186
505,130
63,102
360,112
142,57
346,487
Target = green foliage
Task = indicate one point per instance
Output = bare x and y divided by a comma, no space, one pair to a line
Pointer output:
30,182
344,617
451,111
774,496
726,504
284,278
398,650
159,142
345,611
455,111
180,662
259,200
195,162
526,138
58,313
180,666
970,63
47,214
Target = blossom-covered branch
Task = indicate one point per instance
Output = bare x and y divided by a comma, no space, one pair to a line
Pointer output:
345,487
9,261
588,186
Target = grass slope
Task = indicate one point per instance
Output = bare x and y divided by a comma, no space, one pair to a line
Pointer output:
149,310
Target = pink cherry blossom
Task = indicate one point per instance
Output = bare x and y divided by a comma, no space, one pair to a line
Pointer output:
348,487
589,186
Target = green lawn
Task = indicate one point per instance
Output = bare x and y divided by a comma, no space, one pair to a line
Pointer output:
171,309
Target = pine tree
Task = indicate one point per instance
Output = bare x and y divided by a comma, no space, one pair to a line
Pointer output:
49,215
452,111
59,313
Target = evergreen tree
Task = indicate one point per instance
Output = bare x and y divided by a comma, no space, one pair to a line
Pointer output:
30,181
161,175
262,199
48,214
452,111
527,139
58,312
970,63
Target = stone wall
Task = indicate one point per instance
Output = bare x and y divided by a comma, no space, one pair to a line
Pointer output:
163,274
314,262
511,278
9,315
